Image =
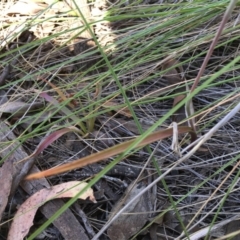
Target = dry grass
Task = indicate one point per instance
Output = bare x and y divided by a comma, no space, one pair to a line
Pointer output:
134,46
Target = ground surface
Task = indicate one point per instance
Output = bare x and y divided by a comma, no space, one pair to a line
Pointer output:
200,192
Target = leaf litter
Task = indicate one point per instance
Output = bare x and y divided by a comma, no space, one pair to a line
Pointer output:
175,68
11,174
70,229
134,217
23,219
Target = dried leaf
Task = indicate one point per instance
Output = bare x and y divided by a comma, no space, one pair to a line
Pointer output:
29,120
120,125
23,219
26,8
96,157
134,218
70,229
124,111
47,28
47,141
19,108
53,137
82,5
130,125
3,97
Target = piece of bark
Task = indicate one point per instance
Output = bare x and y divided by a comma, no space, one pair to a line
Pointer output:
11,172
6,183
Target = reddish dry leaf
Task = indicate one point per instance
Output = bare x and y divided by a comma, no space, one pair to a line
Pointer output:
23,219
47,141
96,157
53,137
